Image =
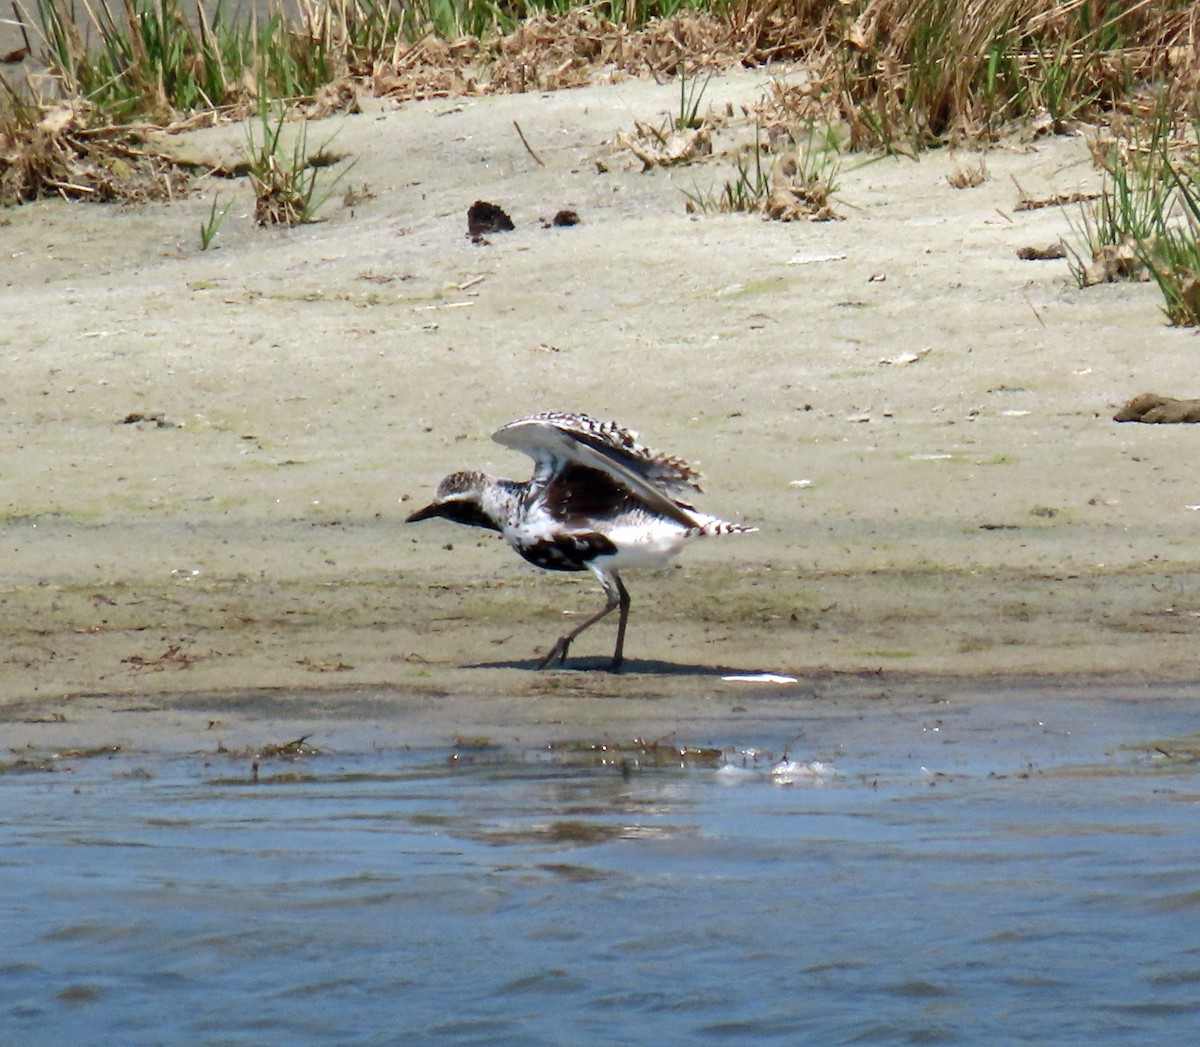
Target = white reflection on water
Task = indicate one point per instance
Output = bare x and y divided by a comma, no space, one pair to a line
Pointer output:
512,898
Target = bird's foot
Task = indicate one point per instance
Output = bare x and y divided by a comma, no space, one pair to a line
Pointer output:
557,653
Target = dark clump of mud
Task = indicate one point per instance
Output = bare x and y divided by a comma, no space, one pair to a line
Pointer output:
1154,409
484,217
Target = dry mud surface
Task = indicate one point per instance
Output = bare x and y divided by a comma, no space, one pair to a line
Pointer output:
972,515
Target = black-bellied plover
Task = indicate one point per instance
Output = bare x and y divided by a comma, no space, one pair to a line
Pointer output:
598,499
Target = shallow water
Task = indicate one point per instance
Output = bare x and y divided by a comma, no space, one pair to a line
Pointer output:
973,880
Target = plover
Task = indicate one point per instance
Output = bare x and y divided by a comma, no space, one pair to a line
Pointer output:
598,499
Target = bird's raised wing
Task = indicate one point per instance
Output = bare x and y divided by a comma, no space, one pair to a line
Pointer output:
672,474
554,440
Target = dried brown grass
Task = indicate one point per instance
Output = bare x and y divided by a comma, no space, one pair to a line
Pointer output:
555,52
929,71
64,149
919,72
908,72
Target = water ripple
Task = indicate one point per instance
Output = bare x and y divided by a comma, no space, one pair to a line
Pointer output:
511,899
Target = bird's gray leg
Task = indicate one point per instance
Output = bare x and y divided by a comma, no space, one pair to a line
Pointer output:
623,597
615,596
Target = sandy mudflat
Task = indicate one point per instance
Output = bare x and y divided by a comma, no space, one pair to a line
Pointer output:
972,516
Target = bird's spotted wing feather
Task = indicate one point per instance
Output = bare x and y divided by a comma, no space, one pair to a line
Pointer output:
554,440
672,474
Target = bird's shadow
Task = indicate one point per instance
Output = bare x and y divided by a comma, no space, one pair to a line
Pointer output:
630,667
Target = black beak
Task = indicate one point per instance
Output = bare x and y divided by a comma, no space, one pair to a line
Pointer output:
428,513
457,511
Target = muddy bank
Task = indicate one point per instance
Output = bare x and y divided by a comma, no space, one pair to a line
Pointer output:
919,421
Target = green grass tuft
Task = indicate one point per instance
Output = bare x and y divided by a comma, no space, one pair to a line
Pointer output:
1172,254
286,179
210,228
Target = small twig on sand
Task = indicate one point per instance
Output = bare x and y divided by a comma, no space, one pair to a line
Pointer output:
21,22
1037,315
528,147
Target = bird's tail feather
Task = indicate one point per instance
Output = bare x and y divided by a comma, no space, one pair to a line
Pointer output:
714,527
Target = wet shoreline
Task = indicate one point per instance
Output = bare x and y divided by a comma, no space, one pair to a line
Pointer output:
577,710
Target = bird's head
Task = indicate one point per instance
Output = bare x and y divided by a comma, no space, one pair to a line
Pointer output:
459,497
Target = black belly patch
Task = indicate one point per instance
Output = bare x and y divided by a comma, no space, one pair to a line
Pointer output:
567,552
